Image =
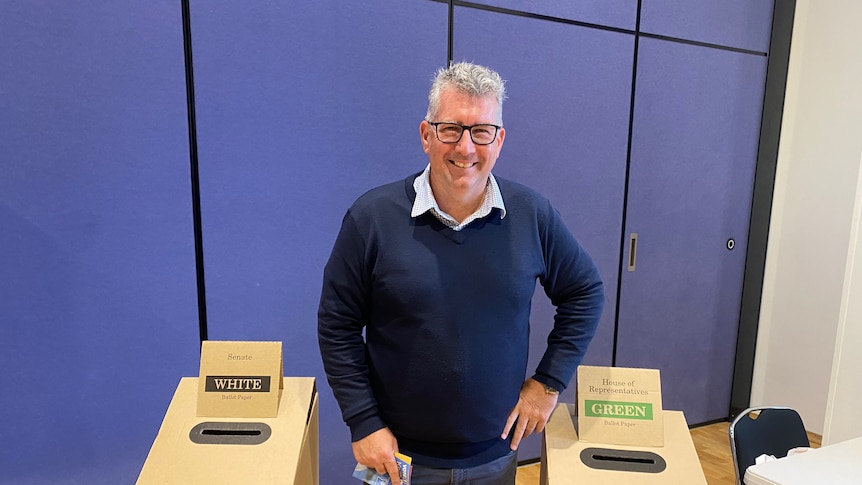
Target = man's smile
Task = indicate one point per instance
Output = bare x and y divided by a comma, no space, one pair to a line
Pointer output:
462,164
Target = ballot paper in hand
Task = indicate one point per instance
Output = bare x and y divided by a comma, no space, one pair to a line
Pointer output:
371,477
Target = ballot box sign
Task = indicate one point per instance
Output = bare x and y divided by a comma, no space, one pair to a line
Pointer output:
239,379
237,384
618,410
620,406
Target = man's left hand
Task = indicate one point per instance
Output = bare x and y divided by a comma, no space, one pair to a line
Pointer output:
531,413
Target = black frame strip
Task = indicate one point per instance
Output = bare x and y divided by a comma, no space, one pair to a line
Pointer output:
702,44
450,41
520,13
193,164
761,203
623,237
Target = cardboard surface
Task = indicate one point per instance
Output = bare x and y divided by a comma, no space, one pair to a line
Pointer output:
239,379
289,455
562,463
620,406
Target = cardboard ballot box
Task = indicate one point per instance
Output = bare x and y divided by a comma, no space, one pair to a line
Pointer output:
192,449
567,461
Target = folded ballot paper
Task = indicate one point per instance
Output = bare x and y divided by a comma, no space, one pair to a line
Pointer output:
371,477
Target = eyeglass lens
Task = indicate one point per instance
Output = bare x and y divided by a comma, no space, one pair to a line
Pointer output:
481,134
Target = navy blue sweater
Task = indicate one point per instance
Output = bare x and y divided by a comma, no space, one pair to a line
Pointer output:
446,316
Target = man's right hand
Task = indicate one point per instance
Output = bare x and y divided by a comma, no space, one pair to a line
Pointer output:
377,451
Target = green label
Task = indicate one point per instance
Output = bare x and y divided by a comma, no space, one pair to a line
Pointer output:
622,410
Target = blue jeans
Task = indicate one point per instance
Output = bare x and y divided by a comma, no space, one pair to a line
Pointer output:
498,472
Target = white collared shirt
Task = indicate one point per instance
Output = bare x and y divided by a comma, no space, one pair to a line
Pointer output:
425,201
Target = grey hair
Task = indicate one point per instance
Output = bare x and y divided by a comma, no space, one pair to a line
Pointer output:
467,78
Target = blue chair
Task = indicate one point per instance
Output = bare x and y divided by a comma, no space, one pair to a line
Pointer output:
770,430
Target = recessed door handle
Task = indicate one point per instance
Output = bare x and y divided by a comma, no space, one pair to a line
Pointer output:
633,250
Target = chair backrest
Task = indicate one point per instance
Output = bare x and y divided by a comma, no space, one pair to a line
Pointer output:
770,430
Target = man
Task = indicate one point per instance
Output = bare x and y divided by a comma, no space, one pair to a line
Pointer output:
438,270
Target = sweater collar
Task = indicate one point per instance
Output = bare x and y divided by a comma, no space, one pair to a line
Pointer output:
425,201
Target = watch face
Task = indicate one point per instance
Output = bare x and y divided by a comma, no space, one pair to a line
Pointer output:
550,390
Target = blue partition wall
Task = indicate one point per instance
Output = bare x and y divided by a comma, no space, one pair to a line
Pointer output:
301,109
739,24
697,112
694,149
98,312
608,13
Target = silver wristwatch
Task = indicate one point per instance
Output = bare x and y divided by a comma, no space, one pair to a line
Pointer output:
550,390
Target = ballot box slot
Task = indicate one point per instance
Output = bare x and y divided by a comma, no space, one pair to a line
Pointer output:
230,433
623,460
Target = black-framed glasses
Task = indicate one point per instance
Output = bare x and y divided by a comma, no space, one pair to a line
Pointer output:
481,134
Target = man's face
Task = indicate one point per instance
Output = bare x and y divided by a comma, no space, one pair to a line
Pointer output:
461,169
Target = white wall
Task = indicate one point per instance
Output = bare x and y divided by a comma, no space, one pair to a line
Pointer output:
845,391
813,209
